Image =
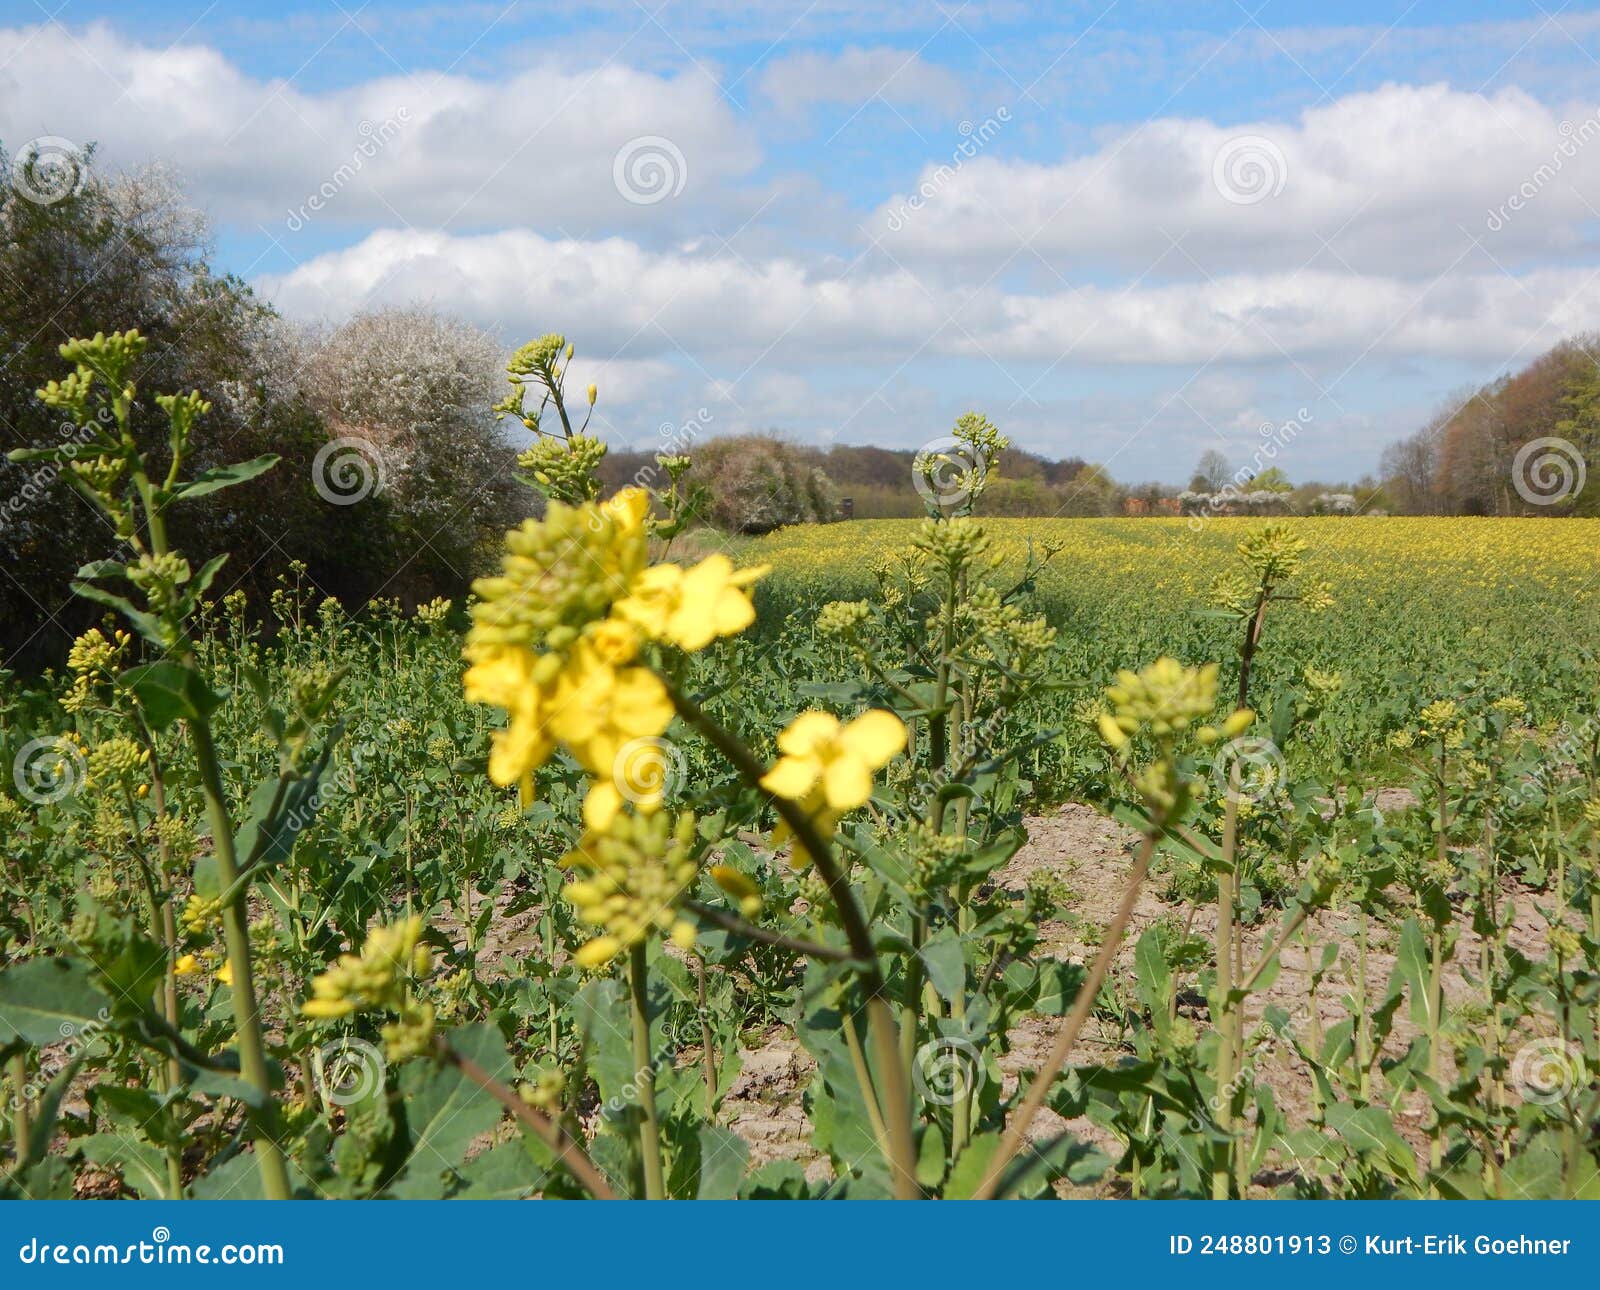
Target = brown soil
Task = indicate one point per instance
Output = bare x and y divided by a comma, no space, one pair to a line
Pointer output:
1091,855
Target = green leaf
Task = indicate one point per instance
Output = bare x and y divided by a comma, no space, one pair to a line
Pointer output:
723,1154
49,1108
944,957
443,1111
46,1001
169,690
142,1168
211,481
967,1173
506,1171
145,624
275,820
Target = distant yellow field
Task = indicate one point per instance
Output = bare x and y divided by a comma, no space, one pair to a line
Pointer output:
1420,606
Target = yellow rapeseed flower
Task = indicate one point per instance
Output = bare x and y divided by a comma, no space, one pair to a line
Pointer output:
827,767
818,748
692,607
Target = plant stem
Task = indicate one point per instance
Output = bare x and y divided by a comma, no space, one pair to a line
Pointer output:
21,1128
708,1055
236,933
869,1092
885,1042
1222,1172
644,1073
567,1151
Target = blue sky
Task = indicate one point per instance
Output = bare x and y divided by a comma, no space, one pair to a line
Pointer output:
1126,232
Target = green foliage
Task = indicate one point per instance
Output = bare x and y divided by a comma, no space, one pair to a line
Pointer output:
263,909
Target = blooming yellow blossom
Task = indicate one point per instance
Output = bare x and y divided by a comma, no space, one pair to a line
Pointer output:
818,748
596,709
692,607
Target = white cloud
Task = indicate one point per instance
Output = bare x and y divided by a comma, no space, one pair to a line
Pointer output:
798,82
535,146
1397,181
775,313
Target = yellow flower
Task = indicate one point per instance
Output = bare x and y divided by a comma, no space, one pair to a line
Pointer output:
508,677
740,886
597,708
187,965
225,974
818,749
827,767
693,607
327,1009
615,641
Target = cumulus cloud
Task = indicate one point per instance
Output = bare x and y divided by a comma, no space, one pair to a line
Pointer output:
778,312
536,146
1402,180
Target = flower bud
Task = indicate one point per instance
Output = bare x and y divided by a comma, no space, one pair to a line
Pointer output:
1238,722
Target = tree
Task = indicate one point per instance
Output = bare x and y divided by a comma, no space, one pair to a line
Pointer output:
1271,480
408,394
757,483
125,251
1211,473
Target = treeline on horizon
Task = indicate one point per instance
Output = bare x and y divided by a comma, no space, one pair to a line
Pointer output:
413,389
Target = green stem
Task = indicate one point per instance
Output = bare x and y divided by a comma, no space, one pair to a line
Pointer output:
885,1043
644,1074
869,1092
1222,1171
236,933
21,1127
